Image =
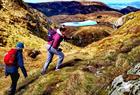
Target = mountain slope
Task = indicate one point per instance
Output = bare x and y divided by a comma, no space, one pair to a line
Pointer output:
85,71
20,24
70,7
90,71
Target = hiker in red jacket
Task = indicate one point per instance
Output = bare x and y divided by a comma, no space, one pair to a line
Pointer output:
53,48
12,70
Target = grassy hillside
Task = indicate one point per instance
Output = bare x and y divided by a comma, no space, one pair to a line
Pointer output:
85,71
19,24
91,70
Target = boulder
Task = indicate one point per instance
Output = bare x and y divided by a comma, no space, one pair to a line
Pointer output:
119,22
33,53
127,83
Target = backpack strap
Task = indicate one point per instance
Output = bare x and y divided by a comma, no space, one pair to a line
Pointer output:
15,63
51,45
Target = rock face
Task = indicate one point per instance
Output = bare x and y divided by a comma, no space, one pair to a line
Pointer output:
119,22
129,83
70,8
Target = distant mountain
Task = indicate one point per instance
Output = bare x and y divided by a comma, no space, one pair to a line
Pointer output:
70,7
129,9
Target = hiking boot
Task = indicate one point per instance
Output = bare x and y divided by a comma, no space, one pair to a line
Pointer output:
57,69
43,73
10,92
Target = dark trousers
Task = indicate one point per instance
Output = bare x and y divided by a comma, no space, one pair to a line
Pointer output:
14,78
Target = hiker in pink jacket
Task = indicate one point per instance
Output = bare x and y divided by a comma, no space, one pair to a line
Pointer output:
53,48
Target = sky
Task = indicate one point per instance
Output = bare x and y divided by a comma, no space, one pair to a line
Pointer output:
118,4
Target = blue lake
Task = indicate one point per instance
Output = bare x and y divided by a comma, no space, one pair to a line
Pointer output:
83,23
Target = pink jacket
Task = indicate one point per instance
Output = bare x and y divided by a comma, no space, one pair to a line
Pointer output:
57,39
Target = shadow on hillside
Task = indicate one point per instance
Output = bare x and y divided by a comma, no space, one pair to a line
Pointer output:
31,79
84,39
49,89
23,86
68,64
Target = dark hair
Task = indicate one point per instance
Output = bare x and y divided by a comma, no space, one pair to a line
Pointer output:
62,28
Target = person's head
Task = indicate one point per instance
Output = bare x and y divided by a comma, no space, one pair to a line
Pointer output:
20,45
62,29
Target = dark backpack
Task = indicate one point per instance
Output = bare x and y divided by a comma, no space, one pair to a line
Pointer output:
10,57
50,35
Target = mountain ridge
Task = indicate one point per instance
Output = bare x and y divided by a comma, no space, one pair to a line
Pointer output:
70,7
129,9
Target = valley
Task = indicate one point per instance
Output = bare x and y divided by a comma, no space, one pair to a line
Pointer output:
93,59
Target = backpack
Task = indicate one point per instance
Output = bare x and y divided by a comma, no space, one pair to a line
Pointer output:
50,35
10,57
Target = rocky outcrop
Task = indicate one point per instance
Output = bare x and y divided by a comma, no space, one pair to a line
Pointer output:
119,22
128,83
122,20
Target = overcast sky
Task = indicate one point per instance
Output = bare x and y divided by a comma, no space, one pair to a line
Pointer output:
112,3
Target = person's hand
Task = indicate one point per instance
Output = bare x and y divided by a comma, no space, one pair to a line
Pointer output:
71,38
26,76
6,75
59,49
